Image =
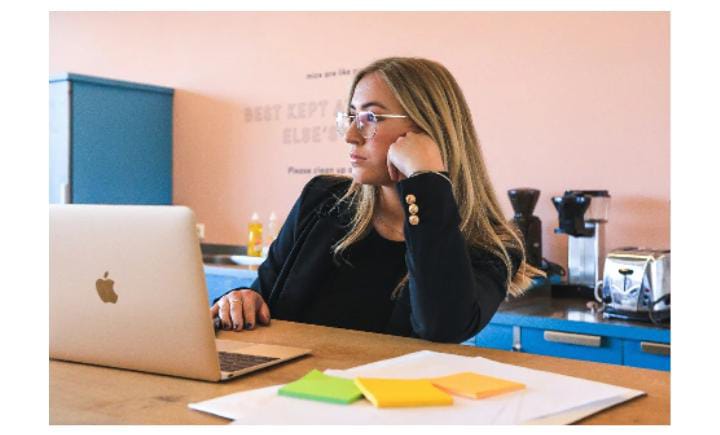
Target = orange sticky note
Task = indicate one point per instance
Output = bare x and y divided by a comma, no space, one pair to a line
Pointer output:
475,386
402,392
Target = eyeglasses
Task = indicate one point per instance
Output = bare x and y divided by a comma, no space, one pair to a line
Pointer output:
365,122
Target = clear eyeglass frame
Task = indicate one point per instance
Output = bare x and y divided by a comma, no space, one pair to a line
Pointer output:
365,121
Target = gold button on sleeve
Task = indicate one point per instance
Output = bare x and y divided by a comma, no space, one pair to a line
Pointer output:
410,198
413,209
414,220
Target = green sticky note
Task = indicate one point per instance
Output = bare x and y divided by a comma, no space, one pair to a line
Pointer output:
316,385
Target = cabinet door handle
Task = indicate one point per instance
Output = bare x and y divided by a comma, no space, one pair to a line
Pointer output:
655,348
577,339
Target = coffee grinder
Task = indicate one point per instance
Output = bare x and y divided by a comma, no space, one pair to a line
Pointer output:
523,202
582,215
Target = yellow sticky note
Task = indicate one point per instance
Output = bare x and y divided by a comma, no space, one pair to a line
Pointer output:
386,393
475,386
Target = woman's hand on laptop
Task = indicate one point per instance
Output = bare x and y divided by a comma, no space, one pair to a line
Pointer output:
240,309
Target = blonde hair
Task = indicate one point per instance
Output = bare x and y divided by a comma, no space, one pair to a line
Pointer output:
433,100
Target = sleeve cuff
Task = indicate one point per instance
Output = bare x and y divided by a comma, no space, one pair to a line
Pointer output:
428,200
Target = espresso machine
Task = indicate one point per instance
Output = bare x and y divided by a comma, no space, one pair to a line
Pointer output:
582,215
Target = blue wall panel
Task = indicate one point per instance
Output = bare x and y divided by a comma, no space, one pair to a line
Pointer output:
110,141
122,147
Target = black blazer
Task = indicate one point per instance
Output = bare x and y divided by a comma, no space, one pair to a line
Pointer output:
454,289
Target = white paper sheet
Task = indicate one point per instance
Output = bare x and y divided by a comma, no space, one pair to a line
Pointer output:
548,397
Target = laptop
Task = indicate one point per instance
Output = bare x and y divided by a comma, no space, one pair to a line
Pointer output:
127,290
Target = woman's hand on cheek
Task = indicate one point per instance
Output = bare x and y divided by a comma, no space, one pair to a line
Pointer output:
413,152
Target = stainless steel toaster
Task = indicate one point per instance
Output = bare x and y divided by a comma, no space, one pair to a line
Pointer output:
636,284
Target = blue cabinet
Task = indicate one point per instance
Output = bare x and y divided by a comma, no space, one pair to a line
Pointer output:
495,336
646,354
592,339
110,141
571,345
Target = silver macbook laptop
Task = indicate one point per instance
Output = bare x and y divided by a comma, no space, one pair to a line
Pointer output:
127,290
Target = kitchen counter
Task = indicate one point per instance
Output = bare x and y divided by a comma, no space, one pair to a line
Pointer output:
574,328
541,304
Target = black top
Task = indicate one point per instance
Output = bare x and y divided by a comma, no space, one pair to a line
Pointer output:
453,289
354,298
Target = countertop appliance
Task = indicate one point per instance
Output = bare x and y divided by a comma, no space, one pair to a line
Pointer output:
636,284
582,215
523,202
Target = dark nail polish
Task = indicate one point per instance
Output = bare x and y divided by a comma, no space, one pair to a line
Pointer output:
248,326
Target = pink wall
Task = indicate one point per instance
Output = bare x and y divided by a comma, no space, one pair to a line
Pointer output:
560,101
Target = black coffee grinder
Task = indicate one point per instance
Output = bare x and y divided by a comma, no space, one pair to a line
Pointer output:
523,202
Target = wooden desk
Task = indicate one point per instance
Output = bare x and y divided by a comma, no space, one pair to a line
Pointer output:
84,394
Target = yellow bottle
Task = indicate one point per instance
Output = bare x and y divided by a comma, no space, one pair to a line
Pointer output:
255,245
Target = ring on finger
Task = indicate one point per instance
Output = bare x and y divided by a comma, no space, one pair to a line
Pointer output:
239,301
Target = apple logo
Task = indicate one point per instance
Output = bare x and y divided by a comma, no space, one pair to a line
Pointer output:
105,289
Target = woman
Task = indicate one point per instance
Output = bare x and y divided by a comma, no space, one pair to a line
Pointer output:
415,244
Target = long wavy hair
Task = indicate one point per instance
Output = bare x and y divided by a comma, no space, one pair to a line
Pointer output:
433,101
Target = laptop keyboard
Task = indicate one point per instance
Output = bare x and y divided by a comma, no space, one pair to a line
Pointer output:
230,362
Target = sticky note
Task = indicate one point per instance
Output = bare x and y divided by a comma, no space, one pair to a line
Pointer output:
316,385
475,386
402,392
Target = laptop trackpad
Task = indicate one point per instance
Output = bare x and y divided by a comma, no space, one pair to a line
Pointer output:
276,351
231,345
